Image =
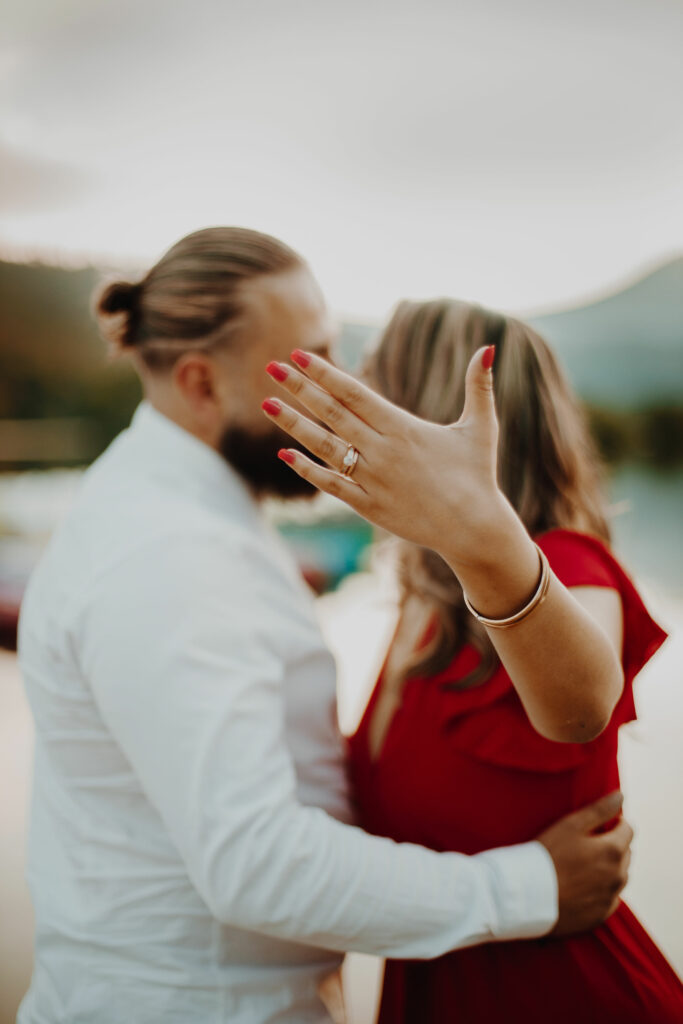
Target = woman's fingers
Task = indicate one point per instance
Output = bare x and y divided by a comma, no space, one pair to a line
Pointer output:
324,406
413,478
361,400
320,442
327,480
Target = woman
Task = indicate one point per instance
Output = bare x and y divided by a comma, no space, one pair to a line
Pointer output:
455,750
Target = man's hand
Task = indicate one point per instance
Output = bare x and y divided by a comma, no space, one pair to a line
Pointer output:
591,869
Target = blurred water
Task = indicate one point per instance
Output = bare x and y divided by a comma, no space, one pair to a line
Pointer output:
647,525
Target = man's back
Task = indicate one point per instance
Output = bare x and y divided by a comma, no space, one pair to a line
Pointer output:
122,929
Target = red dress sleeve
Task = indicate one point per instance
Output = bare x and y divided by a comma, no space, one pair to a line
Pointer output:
580,560
489,721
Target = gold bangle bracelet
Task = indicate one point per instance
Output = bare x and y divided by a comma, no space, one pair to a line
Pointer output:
537,598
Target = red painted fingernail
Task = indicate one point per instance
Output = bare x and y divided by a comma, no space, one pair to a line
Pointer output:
277,371
300,358
286,456
272,407
488,357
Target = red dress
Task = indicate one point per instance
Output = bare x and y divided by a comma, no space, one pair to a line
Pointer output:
465,771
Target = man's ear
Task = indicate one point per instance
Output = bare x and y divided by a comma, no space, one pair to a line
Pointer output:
194,375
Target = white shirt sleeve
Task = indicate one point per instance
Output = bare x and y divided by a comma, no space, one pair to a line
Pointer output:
187,681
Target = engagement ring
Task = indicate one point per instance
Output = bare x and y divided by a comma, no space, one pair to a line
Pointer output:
350,460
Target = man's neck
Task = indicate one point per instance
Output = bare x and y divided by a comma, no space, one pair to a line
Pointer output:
180,418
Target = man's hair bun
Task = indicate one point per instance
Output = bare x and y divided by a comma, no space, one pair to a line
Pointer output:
117,309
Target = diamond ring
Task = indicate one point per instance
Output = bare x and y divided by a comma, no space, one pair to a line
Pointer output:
350,460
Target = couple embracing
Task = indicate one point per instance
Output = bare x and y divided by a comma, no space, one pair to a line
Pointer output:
204,847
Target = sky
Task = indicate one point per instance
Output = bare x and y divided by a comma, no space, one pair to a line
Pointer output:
527,155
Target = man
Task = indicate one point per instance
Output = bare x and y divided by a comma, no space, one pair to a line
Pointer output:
191,853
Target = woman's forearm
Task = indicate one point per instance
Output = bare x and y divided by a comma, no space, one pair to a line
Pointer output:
559,659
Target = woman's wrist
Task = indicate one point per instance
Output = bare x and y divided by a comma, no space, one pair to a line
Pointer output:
495,560
478,537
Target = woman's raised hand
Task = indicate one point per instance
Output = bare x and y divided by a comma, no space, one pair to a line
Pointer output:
436,486
433,485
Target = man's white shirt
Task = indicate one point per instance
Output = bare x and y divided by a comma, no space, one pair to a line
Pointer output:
191,852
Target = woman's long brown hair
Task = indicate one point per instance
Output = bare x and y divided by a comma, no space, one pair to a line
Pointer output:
547,464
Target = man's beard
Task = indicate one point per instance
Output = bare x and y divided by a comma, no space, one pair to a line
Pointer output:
254,457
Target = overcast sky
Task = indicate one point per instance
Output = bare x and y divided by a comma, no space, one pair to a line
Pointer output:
524,154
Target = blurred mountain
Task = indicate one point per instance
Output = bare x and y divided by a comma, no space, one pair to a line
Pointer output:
625,351
353,342
54,368
46,322
624,355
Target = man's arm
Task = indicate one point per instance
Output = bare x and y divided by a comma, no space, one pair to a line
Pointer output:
185,677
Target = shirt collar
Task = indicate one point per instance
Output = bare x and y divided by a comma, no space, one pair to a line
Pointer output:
188,464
